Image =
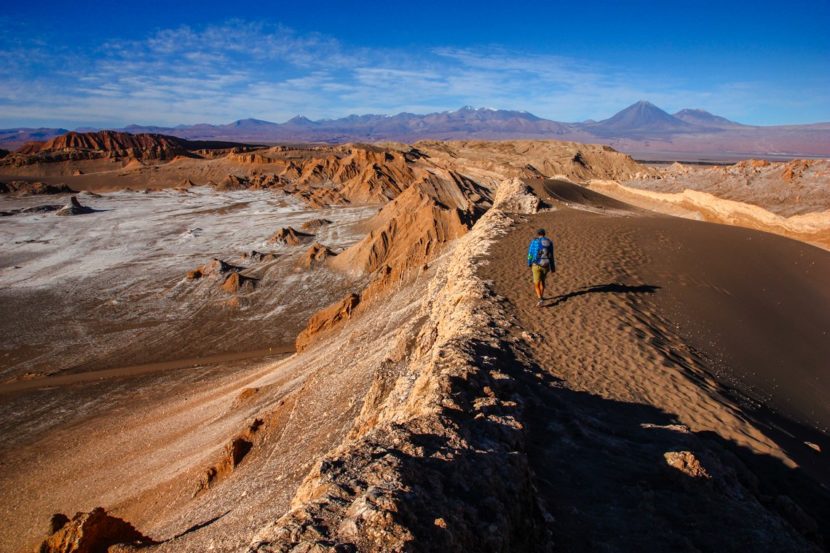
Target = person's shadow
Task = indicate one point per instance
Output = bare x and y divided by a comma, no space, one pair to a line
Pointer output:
612,288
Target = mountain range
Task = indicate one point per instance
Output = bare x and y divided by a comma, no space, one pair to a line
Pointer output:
641,129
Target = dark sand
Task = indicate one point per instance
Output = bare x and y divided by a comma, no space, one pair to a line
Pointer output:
756,305
660,335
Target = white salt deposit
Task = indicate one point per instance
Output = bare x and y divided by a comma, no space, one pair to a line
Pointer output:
109,288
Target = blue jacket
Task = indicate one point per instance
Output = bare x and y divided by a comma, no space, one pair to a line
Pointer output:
540,248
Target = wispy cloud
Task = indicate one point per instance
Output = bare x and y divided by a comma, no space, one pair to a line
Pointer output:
237,69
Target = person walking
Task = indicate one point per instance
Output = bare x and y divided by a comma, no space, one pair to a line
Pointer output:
540,260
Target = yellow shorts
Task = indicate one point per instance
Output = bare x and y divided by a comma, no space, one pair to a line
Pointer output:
539,273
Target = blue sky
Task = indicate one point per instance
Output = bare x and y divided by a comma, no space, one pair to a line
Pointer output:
113,63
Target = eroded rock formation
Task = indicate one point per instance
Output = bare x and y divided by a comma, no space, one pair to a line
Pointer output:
213,268
314,224
315,255
326,319
74,207
288,236
91,532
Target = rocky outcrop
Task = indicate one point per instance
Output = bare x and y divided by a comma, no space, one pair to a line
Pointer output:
687,463
230,276
91,532
794,169
115,144
315,256
407,234
412,229
233,182
236,283
215,267
74,207
260,257
796,187
745,164
25,188
288,236
48,208
315,224
364,174
232,455
578,162
319,197
322,176
327,319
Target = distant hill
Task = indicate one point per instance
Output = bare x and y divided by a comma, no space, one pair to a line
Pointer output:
464,123
11,139
640,129
703,118
120,144
640,119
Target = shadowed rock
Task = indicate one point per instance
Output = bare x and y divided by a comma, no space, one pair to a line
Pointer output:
36,209
90,533
74,207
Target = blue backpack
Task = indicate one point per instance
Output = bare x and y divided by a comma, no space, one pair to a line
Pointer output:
541,252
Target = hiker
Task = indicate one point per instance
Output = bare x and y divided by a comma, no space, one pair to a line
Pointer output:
540,260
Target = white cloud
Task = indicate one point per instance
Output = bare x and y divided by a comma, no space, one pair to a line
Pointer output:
239,69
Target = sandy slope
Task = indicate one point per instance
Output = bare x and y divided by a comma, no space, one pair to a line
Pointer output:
754,320
651,329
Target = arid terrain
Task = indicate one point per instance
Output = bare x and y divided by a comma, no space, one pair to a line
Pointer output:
224,347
